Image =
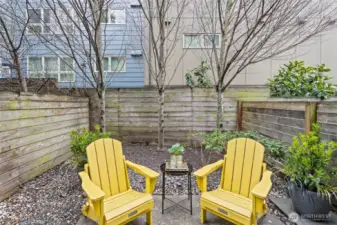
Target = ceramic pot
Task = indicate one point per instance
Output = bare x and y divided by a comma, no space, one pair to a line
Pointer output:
311,205
173,161
179,161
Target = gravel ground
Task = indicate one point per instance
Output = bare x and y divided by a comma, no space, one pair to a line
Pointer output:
56,197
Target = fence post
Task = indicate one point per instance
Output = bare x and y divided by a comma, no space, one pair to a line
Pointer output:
239,116
310,115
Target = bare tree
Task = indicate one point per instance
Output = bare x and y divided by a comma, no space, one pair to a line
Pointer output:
162,30
77,29
13,26
243,32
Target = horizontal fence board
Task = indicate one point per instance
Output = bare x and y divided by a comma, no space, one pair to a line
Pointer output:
23,150
35,134
25,114
20,105
285,118
21,159
295,122
132,114
277,105
276,112
15,143
22,123
279,120
27,131
268,132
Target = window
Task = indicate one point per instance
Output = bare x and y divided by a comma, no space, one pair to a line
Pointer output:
61,69
5,70
114,64
192,41
44,21
201,40
114,16
210,39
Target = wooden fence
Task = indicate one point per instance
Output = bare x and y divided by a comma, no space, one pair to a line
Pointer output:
132,113
34,134
284,118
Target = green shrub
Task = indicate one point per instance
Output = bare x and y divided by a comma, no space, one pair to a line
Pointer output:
176,149
309,162
217,141
81,139
200,74
297,80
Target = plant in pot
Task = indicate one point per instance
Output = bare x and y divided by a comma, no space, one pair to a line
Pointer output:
80,139
309,167
176,151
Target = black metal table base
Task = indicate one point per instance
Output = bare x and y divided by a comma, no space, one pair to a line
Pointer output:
189,189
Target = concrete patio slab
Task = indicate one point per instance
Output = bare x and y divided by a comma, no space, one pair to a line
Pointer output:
286,206
179,216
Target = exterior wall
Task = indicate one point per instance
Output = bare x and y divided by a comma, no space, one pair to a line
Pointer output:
119,40
35,135
318,50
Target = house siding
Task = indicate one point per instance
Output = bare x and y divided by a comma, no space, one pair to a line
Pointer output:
119,40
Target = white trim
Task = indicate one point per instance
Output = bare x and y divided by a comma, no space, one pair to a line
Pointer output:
202,40
58,72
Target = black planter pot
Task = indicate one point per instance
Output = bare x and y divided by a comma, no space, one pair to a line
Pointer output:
309,204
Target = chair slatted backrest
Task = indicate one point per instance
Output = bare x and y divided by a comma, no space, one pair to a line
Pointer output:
107,166
243,166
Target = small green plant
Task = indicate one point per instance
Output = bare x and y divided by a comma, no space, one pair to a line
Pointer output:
200,74
176,149
308,163
80,139
297,80
217,141
214,141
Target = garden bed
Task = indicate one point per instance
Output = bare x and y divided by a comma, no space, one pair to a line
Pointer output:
56,196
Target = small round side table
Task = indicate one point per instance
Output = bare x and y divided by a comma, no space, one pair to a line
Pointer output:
177,172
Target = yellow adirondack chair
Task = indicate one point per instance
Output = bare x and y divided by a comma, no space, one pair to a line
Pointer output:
111,200
244,185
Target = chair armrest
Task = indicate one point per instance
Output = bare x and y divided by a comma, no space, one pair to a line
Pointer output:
142,170
262,189
206,170
150,175
201,174
92,190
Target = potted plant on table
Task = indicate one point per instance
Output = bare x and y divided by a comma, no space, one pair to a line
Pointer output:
176,151
309,167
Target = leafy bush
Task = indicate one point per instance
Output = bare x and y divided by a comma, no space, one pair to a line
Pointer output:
81,139
308,162
200,73
297,80
176,149
217,141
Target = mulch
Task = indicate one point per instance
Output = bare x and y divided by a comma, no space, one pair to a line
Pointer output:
56,197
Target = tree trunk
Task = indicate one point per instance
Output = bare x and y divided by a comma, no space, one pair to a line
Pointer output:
102,110
19,75
161,120
219,121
